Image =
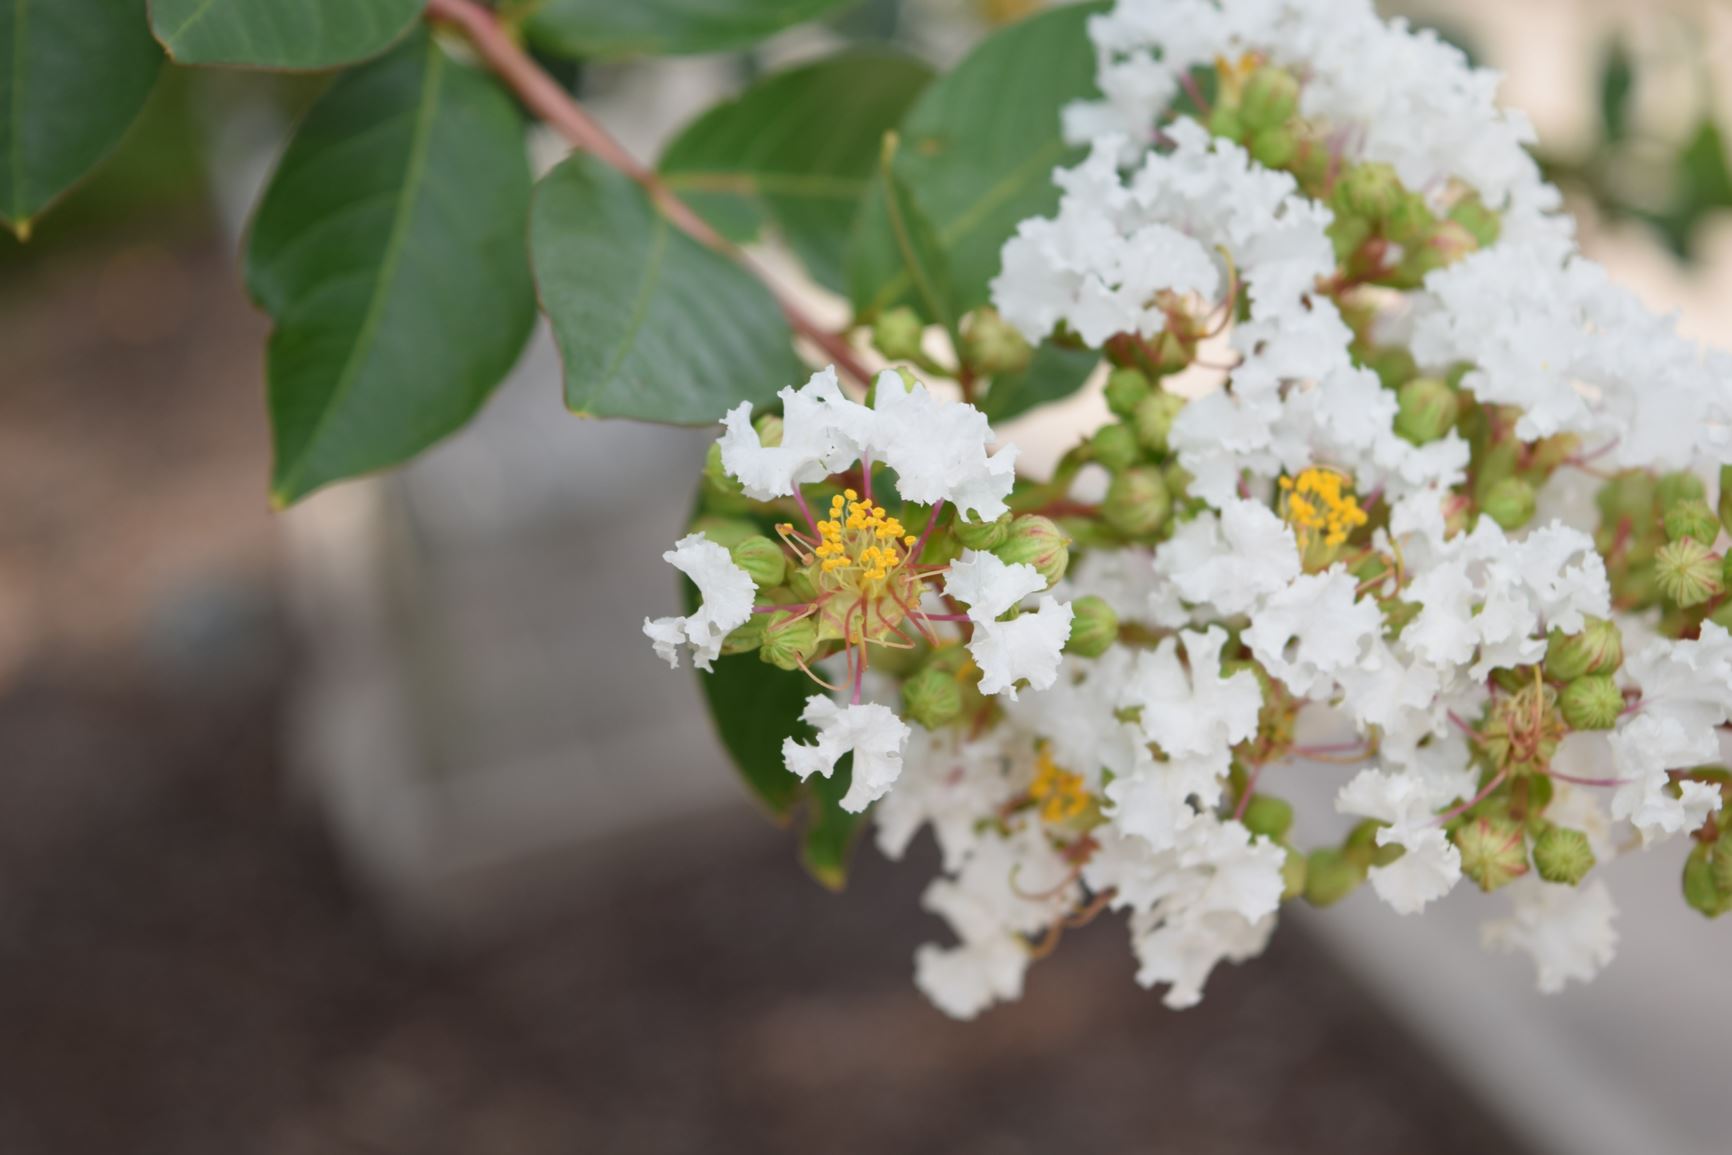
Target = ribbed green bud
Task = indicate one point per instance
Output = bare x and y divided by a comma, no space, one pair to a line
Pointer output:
897,334
1330,876
726,532
987,535
1137,502
1563,855
1275,146
1154,419
803,582
746,638
932,698
1115,446
1692,519
1225,121
1293,874
1429,409
1270,97
716,478
1267,814
1178,480
1597,649
1368,191
1471,214
1592,702
1510,502
1393,365
1679,486
1493,851
1094,628
1726,497
1701,888
1126,387
992,345
1411,221
1628,496
768,427
787,644
1688,572
762,559
1036,541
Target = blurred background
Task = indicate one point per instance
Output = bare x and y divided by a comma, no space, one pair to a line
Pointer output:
374,827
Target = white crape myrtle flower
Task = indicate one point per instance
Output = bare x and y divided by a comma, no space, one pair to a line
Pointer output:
948,782
1026,648
1407,804
1231,561
1009,887
1078,718
726,591
1567,930
872,732
1686,697
1310,632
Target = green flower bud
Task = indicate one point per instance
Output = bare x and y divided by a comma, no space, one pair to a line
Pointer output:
1362,846
1563,855
1680,486
987,535
803,582
897,334
1393,365
1172,354
1411,221
1688,572
1597,649
746,638
1510,502
1629,496
1346,234
762,559
992,345
1692,519
1178,480
1115,446
1471,214
769,430
1592,702
1330,876
1154,419
787,644
1429,410
1701,887
1226,121
1036,541
932,698
716,478
1368,191
1267,814
1137,502
1126,387
1270,97
1726,497
1293,875
1094,628
1275,146
726,532
1493,851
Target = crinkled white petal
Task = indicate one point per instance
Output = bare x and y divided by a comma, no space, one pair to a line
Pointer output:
1027,648
873,733
989,586
726,591
1566,929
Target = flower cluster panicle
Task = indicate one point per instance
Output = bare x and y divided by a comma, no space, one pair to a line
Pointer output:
1395,480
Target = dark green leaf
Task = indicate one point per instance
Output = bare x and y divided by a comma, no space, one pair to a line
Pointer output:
631,27
796,151
1053,374
1617,82
297,34
754,706
75,74
978,150
389,249
830,831
651,324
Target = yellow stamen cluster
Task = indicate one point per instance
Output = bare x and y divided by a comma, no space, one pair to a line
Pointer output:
1319,503
861,536
1059,793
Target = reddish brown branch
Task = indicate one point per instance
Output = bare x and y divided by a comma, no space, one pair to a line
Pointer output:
544,97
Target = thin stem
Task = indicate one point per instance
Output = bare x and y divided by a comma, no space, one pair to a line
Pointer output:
806,511
926,617
544,97
1476,799
931,521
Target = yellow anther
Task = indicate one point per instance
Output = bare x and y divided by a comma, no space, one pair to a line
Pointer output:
1060,794
850,495
1320,504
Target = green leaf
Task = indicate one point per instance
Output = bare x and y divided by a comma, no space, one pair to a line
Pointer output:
1617,82
389,250
978,150
651,324
919,254
73,76
795,151
665,27
1053,374
755,705
290,34
827,844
